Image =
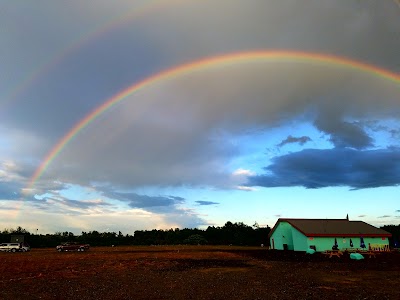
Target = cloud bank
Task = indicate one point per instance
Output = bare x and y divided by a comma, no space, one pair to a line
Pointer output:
314,168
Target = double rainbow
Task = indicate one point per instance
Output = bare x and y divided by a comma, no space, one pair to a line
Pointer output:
202,64
84,38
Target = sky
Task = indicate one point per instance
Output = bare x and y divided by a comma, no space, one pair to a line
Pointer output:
135,115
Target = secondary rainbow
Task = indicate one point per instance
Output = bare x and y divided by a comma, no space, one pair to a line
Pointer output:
84,38
202,64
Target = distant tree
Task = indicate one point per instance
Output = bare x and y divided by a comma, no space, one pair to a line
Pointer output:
20,230
394,241
195,239
6,231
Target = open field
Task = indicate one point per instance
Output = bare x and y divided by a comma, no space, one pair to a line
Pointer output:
195,272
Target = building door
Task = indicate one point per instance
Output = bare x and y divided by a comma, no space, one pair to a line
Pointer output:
285,247
273,244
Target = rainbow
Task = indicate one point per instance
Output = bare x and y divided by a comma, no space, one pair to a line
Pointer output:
206,63
82,39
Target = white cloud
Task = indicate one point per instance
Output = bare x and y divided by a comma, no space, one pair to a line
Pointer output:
246,188
243,172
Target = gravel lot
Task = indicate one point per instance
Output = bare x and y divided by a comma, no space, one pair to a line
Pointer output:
195,272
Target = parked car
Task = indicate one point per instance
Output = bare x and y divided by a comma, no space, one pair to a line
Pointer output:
14,247
71,246
25,247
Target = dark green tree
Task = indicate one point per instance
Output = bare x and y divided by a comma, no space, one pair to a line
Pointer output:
195,239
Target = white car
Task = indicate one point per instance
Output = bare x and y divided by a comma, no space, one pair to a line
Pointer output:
14,247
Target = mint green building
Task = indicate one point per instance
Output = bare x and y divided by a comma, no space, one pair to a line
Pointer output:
323,234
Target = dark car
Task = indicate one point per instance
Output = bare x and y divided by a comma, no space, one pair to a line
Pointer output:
71,246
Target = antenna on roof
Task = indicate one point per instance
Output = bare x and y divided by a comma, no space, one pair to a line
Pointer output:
347,217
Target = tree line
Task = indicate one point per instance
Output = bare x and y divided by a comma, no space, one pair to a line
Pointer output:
238,234
230,234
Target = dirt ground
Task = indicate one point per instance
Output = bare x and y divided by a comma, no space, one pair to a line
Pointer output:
195,272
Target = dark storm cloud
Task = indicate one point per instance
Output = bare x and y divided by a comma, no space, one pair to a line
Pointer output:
344,134
344,27
291,139
201,202
145,46
361,216
314,168
82,204
384,216
165,205
143,201
398,210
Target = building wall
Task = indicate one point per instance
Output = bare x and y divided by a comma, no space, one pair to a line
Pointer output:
369,241
282,235
17,238
326,243
300,242
373,242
